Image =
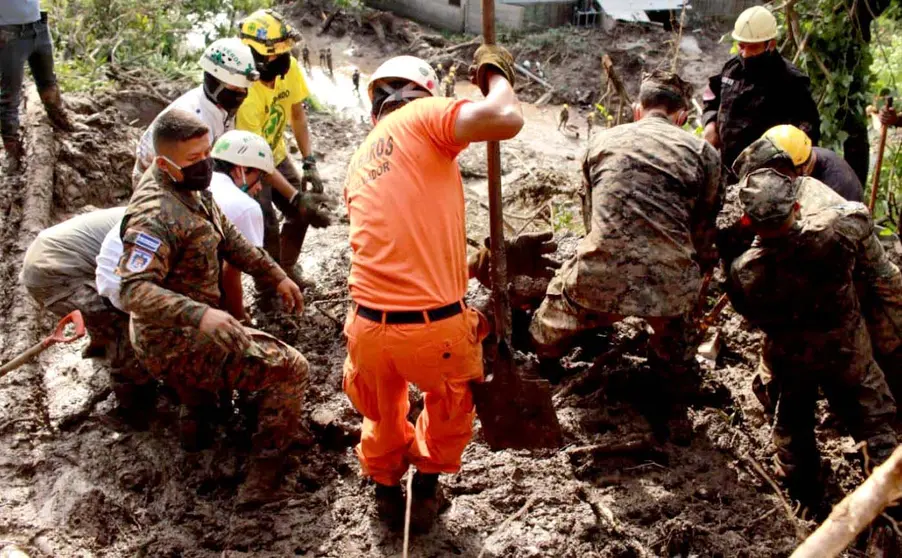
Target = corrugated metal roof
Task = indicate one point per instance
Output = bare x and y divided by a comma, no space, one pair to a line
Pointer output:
634,10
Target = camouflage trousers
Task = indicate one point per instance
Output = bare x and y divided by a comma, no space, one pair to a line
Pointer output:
198,370
843,367
560,322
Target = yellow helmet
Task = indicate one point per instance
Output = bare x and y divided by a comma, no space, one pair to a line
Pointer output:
566,106
792,140
755,25
266,32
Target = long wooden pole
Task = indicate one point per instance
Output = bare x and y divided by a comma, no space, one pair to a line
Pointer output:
856,511
501,299
880,148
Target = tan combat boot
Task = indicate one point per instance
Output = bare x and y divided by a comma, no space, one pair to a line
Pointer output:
53,104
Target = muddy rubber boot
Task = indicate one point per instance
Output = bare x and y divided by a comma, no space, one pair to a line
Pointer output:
96,348
15,151
390,505
428,501
53,104
137,403
263,482
196,427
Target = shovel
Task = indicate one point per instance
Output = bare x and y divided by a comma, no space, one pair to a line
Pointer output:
58,336
515,413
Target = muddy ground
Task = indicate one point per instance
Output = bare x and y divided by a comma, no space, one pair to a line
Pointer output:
76,483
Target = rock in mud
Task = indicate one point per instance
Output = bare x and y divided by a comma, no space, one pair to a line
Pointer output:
73,385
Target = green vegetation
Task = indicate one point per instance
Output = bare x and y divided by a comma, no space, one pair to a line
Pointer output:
93,36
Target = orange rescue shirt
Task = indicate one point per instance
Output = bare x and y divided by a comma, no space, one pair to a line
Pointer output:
406,205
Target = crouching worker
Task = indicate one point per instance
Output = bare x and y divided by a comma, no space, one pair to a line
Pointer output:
409,272
175,239
796,283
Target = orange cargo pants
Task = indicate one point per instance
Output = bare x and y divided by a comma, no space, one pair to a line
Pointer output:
441,358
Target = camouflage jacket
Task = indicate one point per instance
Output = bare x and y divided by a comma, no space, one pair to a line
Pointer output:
652,193
800,287
174,244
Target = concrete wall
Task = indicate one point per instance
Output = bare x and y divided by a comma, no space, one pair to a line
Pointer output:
436,13
441,14
543,16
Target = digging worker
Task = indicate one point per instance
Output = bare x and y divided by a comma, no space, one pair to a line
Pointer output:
355,80
817,162
756,90
174,238
240,160
228,72
878,280
652,193
796,284
409,270
25,36
58,272
274,102
305,54
329,60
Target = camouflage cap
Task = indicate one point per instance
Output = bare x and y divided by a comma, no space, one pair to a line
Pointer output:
667,82
767,196
762,153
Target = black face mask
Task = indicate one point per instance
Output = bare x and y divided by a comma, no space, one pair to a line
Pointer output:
760,63
274,68
228,99
195,176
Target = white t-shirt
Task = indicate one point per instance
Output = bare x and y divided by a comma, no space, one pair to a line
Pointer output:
238,207
196,102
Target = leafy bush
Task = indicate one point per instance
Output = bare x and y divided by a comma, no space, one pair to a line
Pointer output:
92,35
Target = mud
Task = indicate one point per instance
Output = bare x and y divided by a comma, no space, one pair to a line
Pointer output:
655,463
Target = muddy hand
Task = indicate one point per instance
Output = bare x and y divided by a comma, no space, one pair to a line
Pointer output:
311,176
888,116
291,296
224,330
526,255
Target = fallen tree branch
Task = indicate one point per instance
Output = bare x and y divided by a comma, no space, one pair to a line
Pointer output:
790,512
856,511
517,515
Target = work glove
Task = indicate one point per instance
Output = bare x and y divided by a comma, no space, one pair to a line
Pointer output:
315,208
490,57
311,176
525,256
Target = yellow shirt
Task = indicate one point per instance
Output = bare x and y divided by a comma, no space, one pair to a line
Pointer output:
267,110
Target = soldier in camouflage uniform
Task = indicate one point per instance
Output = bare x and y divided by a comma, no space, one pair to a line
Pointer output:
652,192
175,239
796,283
877,278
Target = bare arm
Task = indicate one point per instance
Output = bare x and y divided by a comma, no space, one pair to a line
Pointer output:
497,117
232,291
300,129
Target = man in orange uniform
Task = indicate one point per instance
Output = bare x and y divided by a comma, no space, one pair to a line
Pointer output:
409,273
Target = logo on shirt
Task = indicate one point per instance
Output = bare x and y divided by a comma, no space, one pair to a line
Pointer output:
138,260
727,81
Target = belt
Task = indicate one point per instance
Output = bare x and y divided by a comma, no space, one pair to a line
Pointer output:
19,27
410,316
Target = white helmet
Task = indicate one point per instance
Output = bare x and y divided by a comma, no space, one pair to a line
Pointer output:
410,68
245,149
230,61
755,25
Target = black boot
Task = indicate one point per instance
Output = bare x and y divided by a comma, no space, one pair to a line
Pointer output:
53,104
390,505
15,152
428,501
137,402
196,427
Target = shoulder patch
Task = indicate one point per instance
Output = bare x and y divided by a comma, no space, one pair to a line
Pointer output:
148,242
138,260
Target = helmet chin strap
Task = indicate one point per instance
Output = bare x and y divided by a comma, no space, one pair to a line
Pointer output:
405,94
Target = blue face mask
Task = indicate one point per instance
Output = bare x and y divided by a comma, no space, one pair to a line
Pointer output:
244,186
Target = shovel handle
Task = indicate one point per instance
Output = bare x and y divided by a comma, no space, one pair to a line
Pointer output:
500,295
880,149
58,336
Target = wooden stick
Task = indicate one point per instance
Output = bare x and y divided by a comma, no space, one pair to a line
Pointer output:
856,511
407,510
876,184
